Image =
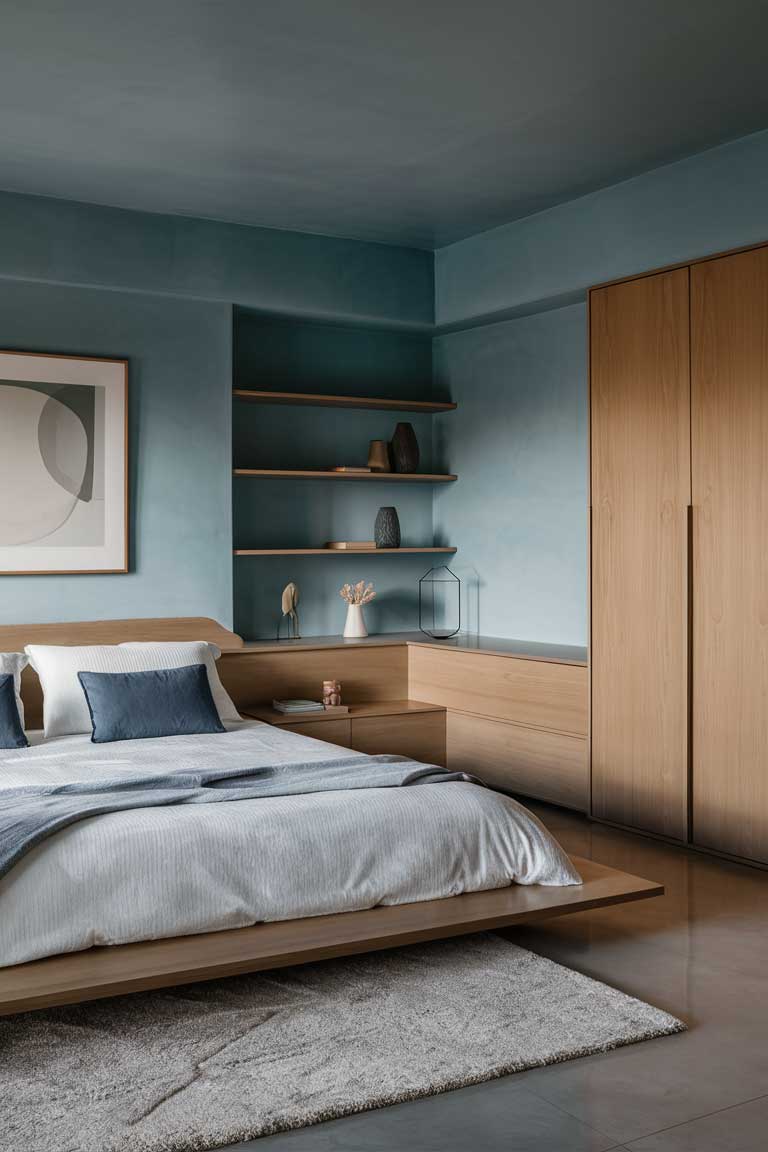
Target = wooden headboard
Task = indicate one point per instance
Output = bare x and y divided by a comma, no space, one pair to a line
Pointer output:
14,637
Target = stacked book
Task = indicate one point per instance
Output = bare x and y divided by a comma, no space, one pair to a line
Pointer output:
351,545
297,706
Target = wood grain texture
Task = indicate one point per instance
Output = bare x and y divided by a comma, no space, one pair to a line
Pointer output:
112,971
319,400
325,474
367,674
729,317
333,551
536,693
464,642
356,712
530,761
14,638
336,731
401,727
640,483
421,736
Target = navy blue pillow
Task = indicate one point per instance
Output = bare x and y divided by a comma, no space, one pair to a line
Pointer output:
11,731
139,705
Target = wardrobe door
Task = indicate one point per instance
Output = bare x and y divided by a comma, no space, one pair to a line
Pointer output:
640,483
729,395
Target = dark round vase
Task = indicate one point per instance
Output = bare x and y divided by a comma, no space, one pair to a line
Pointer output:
386,531
405,449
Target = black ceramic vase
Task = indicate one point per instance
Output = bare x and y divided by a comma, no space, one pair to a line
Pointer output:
386,531
405,449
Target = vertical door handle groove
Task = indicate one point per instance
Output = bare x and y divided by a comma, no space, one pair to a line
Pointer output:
689,662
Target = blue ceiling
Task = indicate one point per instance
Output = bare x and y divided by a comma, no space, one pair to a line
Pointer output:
413,123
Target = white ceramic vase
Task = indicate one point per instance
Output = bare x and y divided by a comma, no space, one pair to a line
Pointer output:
354,628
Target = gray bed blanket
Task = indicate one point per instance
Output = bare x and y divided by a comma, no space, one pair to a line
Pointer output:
30,814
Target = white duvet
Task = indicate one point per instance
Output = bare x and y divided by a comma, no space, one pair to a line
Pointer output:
172,871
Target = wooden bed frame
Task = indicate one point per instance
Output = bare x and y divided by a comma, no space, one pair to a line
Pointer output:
116,970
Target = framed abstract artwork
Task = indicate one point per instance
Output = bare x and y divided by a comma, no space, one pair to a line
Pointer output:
63,464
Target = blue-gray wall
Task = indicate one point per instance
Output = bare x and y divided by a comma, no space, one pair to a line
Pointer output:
510,347
286,272
512,304
160,291
707,203
519,444
179,432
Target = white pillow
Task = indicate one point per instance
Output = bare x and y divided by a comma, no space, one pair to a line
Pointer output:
190,649
212,648
65,709
11,663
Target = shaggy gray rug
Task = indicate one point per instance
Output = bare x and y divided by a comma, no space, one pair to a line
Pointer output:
212,1064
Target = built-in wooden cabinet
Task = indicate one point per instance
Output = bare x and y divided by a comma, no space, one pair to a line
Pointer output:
640,492
729,366
679,553
333,731
519,724
421,736
397,727
539,693
513,714
536,762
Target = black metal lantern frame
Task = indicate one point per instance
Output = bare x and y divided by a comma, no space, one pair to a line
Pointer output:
431,578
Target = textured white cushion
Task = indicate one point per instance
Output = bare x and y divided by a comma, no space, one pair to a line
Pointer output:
12,663
212,648
65,709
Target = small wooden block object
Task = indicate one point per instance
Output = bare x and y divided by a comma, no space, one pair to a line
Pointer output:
351,545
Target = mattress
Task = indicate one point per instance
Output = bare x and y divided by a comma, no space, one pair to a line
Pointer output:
160,872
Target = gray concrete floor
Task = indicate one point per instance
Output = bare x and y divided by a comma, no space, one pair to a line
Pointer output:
700,952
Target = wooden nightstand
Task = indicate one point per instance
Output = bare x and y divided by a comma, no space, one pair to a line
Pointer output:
402,727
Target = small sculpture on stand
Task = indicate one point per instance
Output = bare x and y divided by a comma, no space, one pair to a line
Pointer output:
289,601
331,693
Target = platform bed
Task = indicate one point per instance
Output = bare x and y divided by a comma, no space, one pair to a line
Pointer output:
114,971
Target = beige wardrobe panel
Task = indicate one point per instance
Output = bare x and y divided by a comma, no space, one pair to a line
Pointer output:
640,485
729,391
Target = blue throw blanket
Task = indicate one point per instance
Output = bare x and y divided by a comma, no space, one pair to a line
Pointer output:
30,814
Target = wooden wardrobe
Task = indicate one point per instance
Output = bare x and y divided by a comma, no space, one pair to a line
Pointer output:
679,553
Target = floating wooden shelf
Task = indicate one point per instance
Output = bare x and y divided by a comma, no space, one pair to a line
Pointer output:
324,474
334,551
326,401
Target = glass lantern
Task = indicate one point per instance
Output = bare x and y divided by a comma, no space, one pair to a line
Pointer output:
440,603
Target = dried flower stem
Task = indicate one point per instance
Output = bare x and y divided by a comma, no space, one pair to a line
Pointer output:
360,593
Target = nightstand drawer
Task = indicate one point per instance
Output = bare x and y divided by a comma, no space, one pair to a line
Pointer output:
420,735
399,727
332,731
